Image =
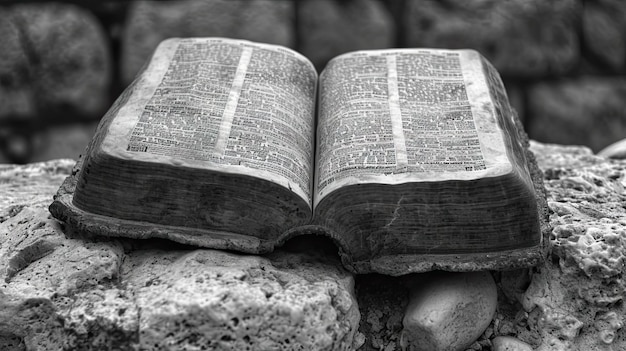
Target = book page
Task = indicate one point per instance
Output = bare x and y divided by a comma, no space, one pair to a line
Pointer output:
222,104
406,115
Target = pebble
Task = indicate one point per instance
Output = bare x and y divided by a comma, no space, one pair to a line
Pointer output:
509,343
616,150
448,311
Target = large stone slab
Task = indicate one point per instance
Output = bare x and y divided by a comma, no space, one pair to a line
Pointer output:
224,301
59,292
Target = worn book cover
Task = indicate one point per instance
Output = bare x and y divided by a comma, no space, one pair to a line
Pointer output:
409,159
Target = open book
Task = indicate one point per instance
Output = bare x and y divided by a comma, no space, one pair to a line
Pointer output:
409,159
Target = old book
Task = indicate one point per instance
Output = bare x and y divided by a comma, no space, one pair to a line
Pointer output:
413,160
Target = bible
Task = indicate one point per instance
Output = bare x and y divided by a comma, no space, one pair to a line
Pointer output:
408,159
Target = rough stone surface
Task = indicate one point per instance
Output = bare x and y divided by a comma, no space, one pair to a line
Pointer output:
551,156
329,28
64,59
604,22
59,292
226,301
150,22
574,301
508,343
30,185
42,270
521,38
590,111
448,311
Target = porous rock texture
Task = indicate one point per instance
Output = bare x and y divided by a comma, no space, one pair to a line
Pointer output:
58,292
574,301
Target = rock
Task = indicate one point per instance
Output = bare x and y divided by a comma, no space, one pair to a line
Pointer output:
553,156
58,292
586,111
575,299
42,272
448,311
150,22
521,38
329,28
30,185
68,58
509,343
233,302
603,27
616,150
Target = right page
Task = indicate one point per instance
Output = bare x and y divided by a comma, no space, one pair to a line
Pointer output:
418,153
396,116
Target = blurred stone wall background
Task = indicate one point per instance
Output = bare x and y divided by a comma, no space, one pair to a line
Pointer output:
63,63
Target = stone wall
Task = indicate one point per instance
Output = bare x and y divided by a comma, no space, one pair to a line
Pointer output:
62,64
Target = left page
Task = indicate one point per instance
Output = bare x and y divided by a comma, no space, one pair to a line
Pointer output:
222,104
211,145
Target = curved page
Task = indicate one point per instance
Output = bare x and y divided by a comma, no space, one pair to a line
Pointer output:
408,115
227,105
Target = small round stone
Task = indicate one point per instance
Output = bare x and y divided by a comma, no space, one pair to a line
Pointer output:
448,311
509,343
